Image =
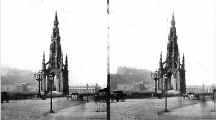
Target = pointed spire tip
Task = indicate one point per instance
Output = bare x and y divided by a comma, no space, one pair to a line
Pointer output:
56,18
173,19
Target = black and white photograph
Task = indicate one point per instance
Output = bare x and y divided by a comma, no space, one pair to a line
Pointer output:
108,59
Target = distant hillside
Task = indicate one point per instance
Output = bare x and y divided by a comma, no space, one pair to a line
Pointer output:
11,78
133,79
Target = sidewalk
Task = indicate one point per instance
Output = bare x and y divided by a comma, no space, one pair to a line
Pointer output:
85,111
201,111
119,111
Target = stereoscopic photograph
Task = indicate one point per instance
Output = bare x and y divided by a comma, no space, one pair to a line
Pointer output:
108,59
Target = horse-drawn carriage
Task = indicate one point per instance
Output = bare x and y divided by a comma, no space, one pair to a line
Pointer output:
118,96
4,97
100,97
114,95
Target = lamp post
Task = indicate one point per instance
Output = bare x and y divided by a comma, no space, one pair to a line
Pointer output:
165,78
87,91
154,76
214,98
38,77
51,78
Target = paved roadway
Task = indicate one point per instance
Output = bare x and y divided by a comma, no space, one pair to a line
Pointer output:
201,111
139,109
32,109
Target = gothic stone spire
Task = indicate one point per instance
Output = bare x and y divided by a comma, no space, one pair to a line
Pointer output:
66,63
56,19
160,63
183,62
172,47
55,46
173,20
43,62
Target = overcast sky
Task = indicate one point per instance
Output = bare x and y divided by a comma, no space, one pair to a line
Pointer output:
139,32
